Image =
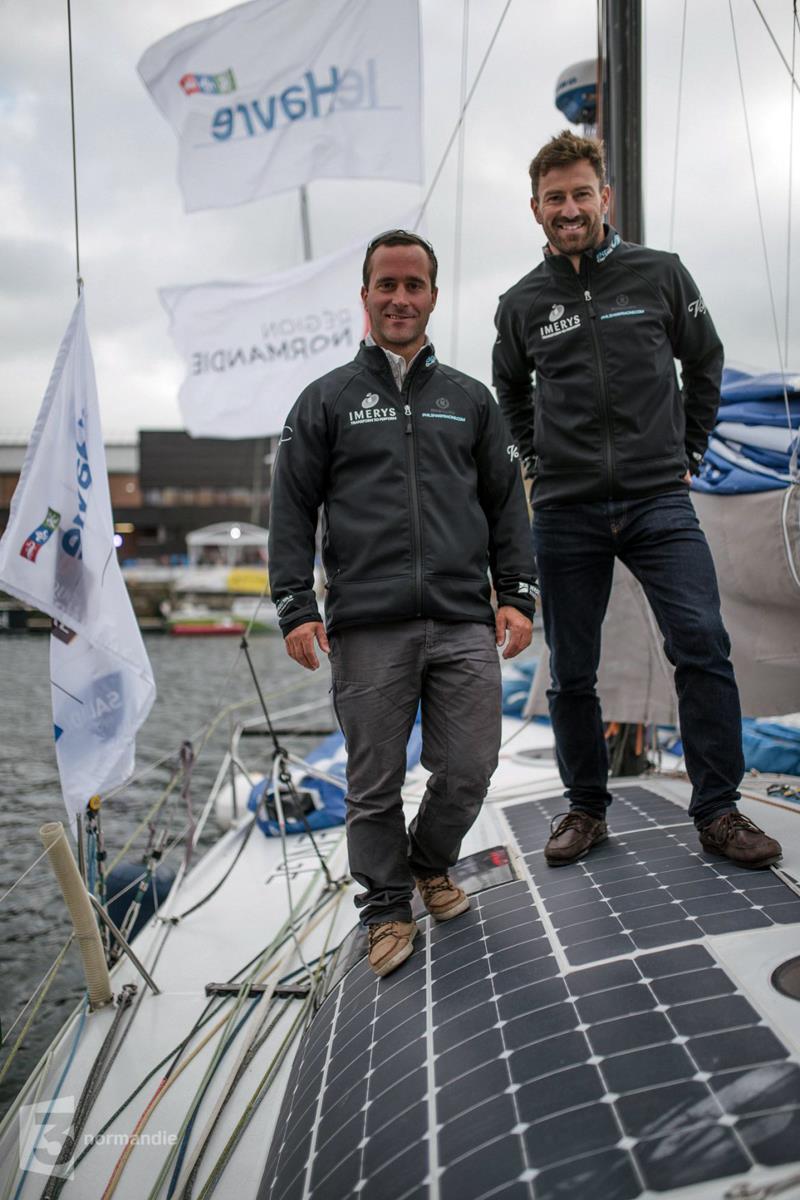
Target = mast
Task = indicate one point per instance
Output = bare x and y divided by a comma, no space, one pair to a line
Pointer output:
621,112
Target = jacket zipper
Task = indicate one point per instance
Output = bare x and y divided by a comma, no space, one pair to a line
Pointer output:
601,374
411,460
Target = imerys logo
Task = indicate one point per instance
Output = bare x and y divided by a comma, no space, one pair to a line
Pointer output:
558,325
697,307
368,414
556,312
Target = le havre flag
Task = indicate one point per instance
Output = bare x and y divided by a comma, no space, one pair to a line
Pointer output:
57,554
272,94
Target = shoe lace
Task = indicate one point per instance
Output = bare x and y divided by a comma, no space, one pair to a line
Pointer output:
730,822
437,883
570,820
378,932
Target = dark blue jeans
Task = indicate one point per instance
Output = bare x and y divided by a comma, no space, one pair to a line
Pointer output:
660,540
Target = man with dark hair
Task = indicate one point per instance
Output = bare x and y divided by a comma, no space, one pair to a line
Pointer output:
421,497
610,441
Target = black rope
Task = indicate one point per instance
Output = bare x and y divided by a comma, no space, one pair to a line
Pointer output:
220,882
78,279
284,775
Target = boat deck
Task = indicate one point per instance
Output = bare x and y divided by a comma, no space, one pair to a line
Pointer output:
605,1030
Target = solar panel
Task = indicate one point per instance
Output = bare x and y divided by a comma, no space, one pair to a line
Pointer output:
484,1066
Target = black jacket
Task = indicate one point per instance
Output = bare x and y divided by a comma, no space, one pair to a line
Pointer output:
421,494
607,419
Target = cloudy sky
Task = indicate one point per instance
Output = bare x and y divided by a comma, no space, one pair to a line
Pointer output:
136,238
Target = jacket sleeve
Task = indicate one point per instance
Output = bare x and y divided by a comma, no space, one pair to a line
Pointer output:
696,344
502,499
299,474
511,376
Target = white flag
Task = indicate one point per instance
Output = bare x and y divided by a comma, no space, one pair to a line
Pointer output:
272,94
58,554
251,348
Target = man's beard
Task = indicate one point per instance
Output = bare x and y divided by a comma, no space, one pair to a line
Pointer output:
586,237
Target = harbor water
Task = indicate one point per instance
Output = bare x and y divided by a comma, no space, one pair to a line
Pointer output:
198,678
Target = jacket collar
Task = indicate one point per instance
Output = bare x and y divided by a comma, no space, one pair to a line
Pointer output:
598,254
374,358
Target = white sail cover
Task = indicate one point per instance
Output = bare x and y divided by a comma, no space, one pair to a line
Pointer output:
250,348
755,543
272,94
57,554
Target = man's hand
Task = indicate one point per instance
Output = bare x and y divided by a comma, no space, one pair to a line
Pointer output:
300,644
510,621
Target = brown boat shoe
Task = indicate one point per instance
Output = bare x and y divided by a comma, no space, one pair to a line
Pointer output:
442,898
735,836
573,837
390,943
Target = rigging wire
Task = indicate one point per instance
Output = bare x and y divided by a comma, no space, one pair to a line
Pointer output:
461,115
791,181
773,310
42,987
795,83
27,871
459,212
671,242
78,279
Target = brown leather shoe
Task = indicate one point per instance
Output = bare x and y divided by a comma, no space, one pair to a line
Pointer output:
390,944
442,898
573,837
734,836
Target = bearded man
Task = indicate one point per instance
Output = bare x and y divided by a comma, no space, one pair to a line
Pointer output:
610,440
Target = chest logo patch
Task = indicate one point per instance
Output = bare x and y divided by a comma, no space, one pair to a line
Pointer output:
368,414
556,312
558,325
442,402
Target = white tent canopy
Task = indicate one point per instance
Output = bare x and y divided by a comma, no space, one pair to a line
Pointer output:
225,542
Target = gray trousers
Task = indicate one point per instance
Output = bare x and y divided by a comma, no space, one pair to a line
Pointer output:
380,674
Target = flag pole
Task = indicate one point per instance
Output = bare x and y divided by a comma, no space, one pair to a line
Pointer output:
78,279
79,284
305,223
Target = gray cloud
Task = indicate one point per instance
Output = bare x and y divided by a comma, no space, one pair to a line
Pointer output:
135,237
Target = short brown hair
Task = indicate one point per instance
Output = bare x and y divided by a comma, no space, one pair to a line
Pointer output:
399,237
563,150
